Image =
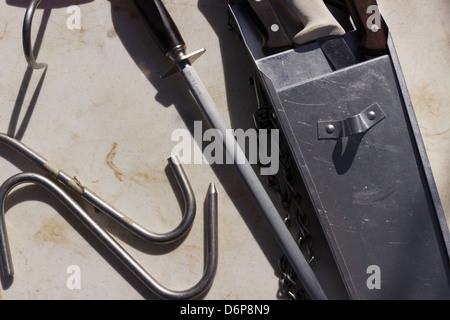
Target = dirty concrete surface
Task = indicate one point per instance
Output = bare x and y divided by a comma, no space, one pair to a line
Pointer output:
101,113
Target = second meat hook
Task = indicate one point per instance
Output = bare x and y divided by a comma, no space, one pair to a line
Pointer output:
194,292
74,185
90,196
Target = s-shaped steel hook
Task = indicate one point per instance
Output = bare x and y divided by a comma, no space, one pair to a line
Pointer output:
90,196
26,36
197,290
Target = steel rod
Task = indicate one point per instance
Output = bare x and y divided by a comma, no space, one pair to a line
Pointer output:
252,182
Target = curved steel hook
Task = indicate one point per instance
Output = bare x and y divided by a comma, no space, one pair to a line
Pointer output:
26,36
197,290
75,185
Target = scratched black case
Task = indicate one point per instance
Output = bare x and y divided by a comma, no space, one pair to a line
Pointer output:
359,151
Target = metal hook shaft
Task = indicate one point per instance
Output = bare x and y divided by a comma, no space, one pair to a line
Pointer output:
26,36
198,289
90,196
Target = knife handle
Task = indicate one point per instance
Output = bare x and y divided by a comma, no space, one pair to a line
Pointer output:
317,20
373,39
276,39
161,26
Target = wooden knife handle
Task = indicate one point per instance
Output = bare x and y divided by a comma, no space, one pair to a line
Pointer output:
317,20
370,24
275,36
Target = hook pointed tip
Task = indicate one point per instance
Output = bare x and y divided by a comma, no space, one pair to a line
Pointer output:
175,160
212,188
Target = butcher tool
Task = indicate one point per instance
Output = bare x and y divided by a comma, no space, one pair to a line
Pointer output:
59,178
318,24
374,37
275,37
170,42
26,36
358,149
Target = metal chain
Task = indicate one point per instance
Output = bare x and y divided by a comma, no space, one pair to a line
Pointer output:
284,184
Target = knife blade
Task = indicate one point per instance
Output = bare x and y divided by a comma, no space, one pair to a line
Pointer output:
319,25
373,35
275,37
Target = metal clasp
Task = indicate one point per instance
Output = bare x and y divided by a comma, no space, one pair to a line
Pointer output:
363,121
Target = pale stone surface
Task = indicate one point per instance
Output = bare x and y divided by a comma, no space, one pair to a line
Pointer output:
102,113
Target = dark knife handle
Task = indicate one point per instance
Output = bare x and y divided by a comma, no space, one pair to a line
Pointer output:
373,42
161,26
275,36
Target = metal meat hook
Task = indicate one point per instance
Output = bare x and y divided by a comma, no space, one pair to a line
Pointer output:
90,196
26,36
197,290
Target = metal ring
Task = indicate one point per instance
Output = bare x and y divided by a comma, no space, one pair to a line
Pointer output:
26,36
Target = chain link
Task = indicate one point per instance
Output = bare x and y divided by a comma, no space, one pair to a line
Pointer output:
284,185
